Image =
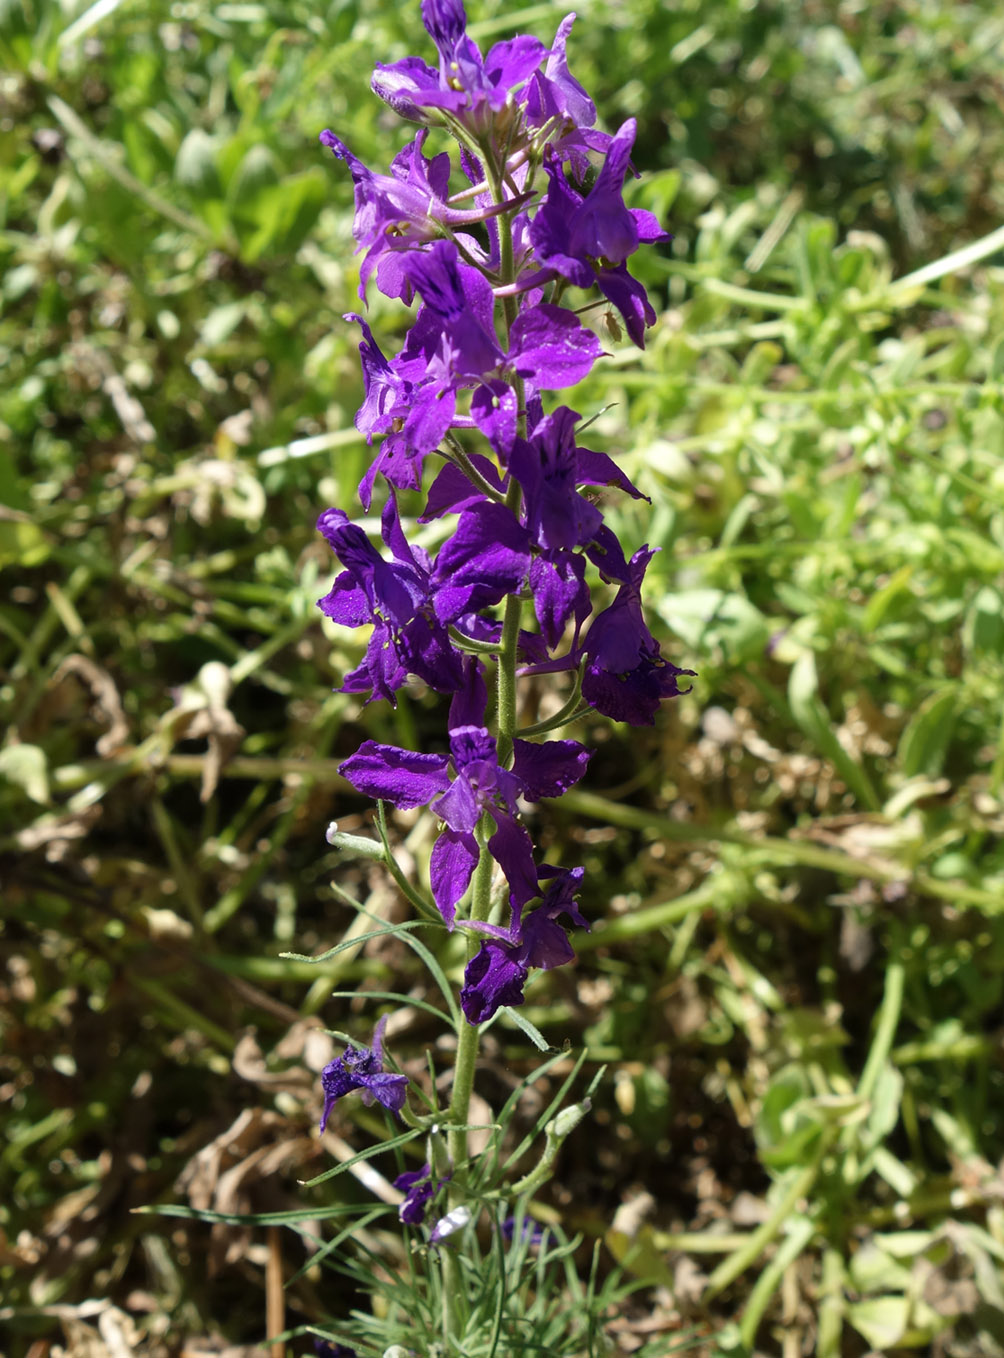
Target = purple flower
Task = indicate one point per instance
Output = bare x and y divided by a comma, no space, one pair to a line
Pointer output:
462,301
487,558
546,468
419,1189
452,345
532,1232
587,240
464,785
548,346
471,87
396,597
626,675
554,92
497,973
362,1068
414,427
402,210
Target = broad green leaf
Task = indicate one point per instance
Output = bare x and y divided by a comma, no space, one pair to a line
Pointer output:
812,716
889,1321
27,768
710,620
195,165
284,213
983,629
925,739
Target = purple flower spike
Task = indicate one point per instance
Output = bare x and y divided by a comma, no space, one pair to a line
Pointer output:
362,1068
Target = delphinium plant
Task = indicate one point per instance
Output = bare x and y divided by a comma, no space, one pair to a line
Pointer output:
497,253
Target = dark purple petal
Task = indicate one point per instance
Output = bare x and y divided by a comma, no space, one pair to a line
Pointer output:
471,744
597,469
431,414
633,696
445,22
469,703
388,1090
555,92
560,592
486,559
382,671
346,603
409,86
557,516
451,867
419,1189
552,347
451,491
604,228
424,649
550,768
494,977
458,807
550,230
512,849
606,555
494,410
386,394
648,228
361,1068
463,302
508,65
402,777
630,299
545,942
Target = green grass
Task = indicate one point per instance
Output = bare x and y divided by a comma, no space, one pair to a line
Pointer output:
796,971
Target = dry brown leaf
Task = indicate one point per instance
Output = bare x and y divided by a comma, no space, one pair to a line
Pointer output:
202,714
106,700
56,833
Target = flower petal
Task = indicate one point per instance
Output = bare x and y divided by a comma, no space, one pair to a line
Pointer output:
402,777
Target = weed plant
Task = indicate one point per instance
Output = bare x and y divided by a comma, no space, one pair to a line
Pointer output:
795,880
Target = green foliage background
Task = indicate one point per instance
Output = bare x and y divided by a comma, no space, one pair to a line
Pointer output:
797,878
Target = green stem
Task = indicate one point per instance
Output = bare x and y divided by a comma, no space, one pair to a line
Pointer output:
459,455
799,1235
567,713
469,1036
729,1269
468,1040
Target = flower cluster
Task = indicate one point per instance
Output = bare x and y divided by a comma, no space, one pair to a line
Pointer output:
489,251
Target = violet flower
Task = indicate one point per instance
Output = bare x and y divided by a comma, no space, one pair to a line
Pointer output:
402,210
626,675
586,240
469,87
396,597
419,1189
497,973
362,1068
465,785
